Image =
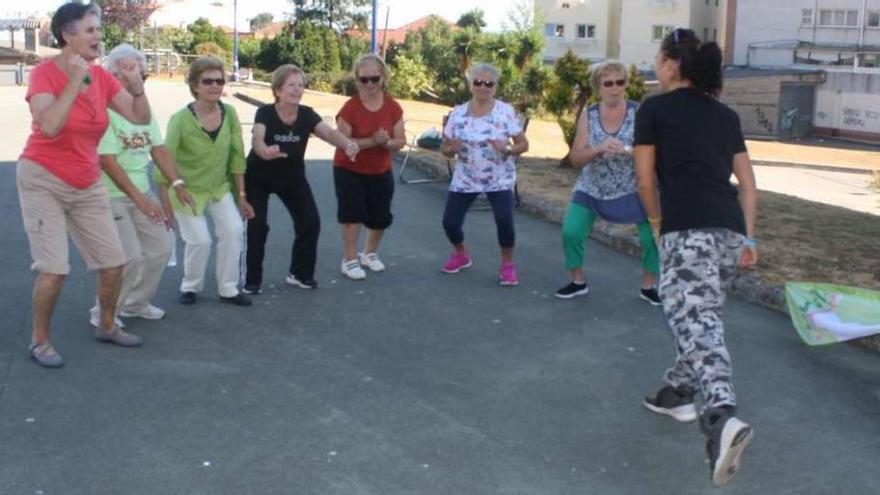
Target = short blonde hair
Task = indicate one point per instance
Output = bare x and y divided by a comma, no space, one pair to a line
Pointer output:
199,67
281,74
372,57
603,69
124,51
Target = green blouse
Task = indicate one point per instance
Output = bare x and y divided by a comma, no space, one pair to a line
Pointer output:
206,165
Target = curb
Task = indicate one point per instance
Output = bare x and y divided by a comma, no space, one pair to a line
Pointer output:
744,284
811,166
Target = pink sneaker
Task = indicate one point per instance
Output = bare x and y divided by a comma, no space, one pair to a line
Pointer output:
456,262
507,275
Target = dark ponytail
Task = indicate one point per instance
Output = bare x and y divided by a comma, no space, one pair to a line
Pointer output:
699,63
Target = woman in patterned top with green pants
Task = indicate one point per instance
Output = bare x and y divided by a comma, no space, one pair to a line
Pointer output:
607,185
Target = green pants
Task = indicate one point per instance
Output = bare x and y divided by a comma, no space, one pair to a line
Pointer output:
579,224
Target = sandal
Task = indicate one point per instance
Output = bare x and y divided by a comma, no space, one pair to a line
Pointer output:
45,355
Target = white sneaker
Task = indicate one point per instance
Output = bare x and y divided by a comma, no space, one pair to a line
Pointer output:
95,318
352,269
372,261
148,312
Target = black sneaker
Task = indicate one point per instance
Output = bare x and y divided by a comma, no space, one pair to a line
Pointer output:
238,299
651,296
677,403
728,439
302,284
251,289
187,298
573,289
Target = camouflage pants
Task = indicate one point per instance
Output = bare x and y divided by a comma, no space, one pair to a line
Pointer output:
695,267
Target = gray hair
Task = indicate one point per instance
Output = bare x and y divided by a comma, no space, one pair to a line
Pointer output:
484,67
602,69
124,51
66,19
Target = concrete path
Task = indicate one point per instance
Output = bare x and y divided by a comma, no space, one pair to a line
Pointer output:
411,381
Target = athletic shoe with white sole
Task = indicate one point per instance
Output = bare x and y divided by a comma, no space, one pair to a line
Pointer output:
372,261
728,438
650,296
573,289
352,269
302,284
95,318
677,403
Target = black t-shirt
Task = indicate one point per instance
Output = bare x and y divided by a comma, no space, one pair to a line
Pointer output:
696,137
292,139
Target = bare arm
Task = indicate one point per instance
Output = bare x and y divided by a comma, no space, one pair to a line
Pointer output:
50,113
398,137
119,177
131,103
165,163
247,211
336,138
748,199
363,143
581,151
646,182
258,144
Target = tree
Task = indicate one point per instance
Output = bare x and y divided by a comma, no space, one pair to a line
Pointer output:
635,85
411,78
248,49
260,21
572,80
474,19
204,32
129,15
338,15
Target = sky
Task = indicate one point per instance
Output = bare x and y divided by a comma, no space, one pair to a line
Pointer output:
402,11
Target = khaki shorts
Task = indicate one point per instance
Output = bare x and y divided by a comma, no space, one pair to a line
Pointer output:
51,209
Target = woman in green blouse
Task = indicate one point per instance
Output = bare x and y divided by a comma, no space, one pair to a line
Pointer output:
205,139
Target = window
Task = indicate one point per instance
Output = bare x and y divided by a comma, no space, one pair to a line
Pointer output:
586,31
807,17
554,30
873,18
658,32
705,34
714,34
565,5
838,18
716,3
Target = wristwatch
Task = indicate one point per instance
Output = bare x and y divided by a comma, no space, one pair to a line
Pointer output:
178,183
508,149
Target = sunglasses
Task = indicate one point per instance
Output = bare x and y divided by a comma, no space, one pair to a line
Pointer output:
484,82
207,81
370,79
144,76
611,84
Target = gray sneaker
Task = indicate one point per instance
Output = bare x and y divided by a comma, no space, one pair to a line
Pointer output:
45,355
118,336
728,437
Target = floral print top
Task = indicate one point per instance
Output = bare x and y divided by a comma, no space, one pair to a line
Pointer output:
611,175
478,167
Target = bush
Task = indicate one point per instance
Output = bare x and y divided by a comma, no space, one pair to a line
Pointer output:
345,85
324,82
410,79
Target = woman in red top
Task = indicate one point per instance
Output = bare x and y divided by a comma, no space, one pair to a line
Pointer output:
364,187
58,175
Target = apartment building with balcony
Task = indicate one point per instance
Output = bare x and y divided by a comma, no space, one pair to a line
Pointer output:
590,28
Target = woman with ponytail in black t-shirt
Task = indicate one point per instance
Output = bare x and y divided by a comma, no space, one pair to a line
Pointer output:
688,143
276,165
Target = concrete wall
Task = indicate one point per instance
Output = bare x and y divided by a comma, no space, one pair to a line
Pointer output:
849,105
756,101
595,12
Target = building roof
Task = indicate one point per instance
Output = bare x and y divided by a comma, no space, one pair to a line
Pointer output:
271,30
397,35
16,24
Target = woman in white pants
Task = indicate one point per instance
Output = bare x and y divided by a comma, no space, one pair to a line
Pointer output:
205,139
125,152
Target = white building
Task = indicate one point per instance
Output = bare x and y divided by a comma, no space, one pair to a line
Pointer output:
630,30
841,37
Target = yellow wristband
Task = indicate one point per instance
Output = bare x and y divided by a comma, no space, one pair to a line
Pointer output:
655,220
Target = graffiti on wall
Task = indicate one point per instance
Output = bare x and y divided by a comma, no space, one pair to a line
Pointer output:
852,117
763,121
787,121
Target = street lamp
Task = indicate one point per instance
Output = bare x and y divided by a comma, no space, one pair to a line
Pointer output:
373,35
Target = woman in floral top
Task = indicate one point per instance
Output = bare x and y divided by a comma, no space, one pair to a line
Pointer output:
606,187
484,135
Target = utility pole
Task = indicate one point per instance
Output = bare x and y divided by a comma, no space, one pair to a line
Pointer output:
373,36
235,40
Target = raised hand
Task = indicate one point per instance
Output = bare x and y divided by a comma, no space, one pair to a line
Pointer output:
77,70
273,152
132,79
